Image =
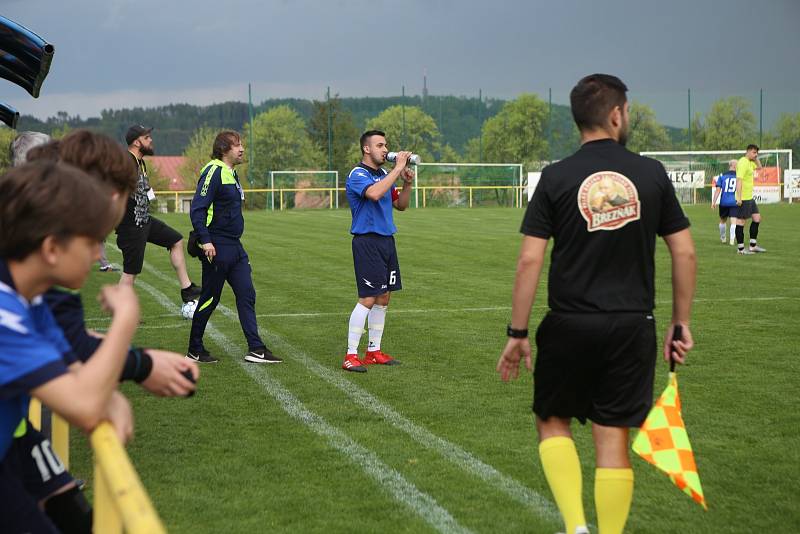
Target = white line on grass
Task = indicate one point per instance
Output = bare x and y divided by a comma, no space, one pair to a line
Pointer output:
457,455
436,310
426,438
385,476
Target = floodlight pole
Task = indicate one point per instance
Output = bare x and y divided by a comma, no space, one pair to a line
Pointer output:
330,132
689,107
480,126
760,116
403,113
252,152
550,124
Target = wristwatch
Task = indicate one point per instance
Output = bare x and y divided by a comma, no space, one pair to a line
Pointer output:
513,332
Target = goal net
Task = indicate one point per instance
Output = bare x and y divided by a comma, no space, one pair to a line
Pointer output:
693,172
467,184
303,190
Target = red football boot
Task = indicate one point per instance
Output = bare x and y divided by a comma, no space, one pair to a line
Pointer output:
378,357
352,363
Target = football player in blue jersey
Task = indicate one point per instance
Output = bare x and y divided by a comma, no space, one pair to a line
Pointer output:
725,193
372,195
52,221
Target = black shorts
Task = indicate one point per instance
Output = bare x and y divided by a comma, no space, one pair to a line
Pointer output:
596,366
726,211
29,472
746,210
132,239
376,266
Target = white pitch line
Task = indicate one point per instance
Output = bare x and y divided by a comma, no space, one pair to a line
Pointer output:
385,476
457,455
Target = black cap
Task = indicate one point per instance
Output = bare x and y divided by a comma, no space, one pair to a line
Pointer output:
135,132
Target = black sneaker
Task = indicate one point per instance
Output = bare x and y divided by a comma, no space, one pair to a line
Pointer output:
201,356
263,355
191,293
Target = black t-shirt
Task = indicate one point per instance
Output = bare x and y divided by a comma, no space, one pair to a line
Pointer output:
137,212
603,207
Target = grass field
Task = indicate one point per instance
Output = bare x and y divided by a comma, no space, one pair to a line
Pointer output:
440,443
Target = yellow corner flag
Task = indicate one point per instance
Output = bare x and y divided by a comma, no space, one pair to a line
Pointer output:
663,441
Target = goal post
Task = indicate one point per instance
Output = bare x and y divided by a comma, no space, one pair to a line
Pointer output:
467,184
303,189
693,172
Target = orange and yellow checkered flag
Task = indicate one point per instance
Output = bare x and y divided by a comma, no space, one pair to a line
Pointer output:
663,441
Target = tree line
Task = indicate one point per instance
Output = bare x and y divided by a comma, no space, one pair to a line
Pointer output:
298,134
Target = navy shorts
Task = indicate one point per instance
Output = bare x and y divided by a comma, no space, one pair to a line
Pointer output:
29,472
376,266
596,366
726,211
746,210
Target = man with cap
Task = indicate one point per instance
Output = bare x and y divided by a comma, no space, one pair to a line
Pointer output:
138,228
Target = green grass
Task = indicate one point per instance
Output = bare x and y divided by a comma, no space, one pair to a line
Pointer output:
232,459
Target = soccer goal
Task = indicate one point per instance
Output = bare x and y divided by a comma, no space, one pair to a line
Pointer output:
468,184
693,172
303,189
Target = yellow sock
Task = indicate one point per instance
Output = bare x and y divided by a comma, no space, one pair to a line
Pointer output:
613,493
563,471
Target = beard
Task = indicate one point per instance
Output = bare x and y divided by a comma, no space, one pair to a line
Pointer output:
147,151
623,136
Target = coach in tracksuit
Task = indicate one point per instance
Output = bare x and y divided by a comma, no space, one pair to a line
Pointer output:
218,223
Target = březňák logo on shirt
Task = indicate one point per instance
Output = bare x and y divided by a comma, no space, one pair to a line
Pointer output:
607,201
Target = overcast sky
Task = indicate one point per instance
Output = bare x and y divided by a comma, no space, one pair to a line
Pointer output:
126,53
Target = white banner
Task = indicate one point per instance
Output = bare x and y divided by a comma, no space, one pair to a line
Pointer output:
687,179
533,181
767,194
791,183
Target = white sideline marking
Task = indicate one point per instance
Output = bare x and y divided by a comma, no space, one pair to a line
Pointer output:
437,310
460,457
386,477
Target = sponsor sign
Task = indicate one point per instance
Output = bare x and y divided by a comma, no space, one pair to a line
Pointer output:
533,181
791,183
608,200
682,179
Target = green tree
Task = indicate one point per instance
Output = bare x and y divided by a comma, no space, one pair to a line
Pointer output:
419,135
787,133
281,143
344,134
197,154
729,125
517,133
7,135
645,131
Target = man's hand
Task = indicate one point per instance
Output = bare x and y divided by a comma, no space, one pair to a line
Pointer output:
119,298
738,201
678,349
713,205
508,364
407,175
402,159
120,416
209,250
166,378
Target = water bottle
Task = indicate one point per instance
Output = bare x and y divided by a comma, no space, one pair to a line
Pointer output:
414,159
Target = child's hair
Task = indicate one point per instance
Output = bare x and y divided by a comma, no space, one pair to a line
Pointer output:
94,153
46,198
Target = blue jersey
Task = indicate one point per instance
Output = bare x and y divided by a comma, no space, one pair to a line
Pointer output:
217,205
33,351
727,182
369,216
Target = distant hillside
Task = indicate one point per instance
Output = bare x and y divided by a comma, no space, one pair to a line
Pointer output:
459,119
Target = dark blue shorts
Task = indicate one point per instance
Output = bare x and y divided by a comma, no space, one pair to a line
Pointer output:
727,211
376,265
29,472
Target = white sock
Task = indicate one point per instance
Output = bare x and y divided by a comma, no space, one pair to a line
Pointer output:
733,233
722,230
377,316
357,319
